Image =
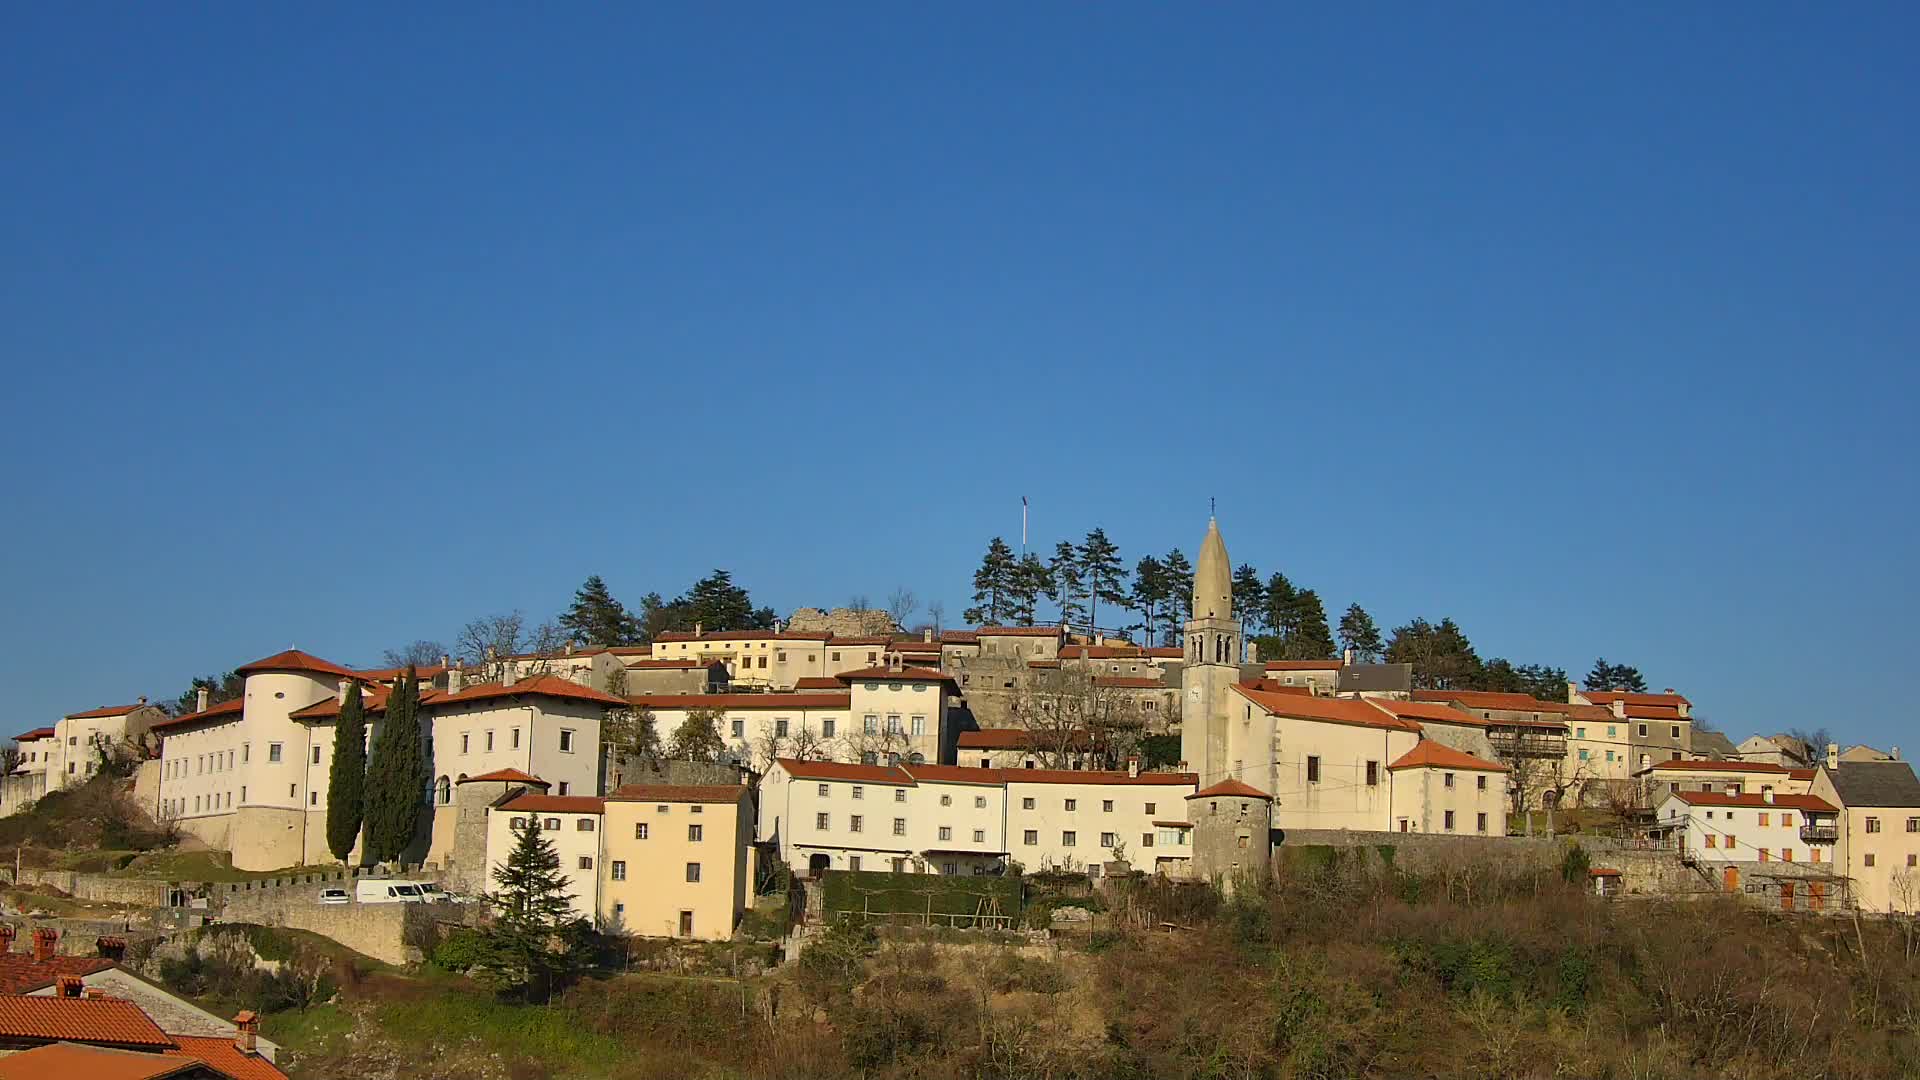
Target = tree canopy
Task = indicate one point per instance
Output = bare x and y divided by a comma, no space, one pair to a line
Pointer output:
596,618
1359,633
397,776
1610,677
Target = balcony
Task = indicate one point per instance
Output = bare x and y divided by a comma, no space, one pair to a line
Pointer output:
1509,743
1820,834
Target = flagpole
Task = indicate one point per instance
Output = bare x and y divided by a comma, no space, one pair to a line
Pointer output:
1023,526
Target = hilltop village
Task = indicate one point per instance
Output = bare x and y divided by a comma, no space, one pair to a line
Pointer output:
970,752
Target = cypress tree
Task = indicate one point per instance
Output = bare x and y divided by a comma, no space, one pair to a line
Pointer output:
347,786
397,775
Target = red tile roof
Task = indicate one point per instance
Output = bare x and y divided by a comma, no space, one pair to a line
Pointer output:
842,700
1102,652
819,682
1043,663
1018,631
1801,774
1274,686
1426,710
678,663
420,671
1608,697
1124,682
226,710
955,774
20,973
36,733
106,1021
631,650
905,674
228,1058
995,739
293,660
960,637
1231,787
834,770
1654,712
552,686
743,635
506,776
1428,754
1304,665
1073,776
555,804
678,793
108,710
1329,710
1755,800
75,1061
1488,699
1720,766
857,641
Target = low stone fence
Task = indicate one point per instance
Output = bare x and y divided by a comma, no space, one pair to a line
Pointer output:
381,931
309,881
99,888
1425,852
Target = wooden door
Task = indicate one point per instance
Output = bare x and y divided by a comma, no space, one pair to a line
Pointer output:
1786,896
686,924
1731,878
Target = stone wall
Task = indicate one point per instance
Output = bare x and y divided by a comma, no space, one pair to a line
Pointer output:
98,887
1426,852
841,622
146,786
376,930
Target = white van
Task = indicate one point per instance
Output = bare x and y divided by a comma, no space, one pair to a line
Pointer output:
389,891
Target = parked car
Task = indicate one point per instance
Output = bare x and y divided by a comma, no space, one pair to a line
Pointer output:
335,896
389,891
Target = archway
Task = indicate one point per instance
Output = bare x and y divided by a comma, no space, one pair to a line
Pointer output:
818,864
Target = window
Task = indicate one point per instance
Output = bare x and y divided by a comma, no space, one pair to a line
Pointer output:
1373,774
853,862
1031,837
870,724
780,657
1786,854
855,823
826,729
979,836
979,802
1107,840
1913,824
693,874
1643,731
899,826
696,808
779,729
1067,838
1026,804
946,800
585,824
1106,806
1711,840
313,798
1813,854
516,738
869,757
465,738
1151,808
246,751
1729,845
1073,804
1676,731
1579,733
586,862
564,784
893,724
489,742
1481,822
1481,783
553,824
899,794
763,663
273,751
694,834
949,868
640,829
820,822
1446,779
1765,818
1612,731
1146,839
1786,821
859,791
1873,824
1313,768
293,790
1449,821
566,740
1766,854
316,758
1867,859
1912,859
946,833
618,872
919,725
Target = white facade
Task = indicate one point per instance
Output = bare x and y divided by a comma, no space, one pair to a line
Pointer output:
573,825
1714,827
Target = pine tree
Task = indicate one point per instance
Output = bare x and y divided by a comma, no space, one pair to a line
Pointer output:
1442,657
1281,617
596,618
1359,633
1150,593
347,782
1102,572
1543,682
1063,583
993,586
1179,587
1249,599
1310,639
396,776
1031,581
533,911
1617,677
716,603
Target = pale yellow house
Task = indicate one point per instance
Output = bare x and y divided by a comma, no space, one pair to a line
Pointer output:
573,825
1878,836
1324,760
1438,789
1070,819
678,860
756,728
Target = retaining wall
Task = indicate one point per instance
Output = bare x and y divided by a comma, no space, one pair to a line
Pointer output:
1424,852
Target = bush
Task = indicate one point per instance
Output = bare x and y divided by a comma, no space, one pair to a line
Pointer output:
1575,864
462,951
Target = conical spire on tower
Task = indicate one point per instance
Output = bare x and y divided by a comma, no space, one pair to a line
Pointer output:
1213,577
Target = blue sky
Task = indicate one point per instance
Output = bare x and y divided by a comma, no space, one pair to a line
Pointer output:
1593,331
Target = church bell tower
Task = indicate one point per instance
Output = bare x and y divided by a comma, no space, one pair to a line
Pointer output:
1212,664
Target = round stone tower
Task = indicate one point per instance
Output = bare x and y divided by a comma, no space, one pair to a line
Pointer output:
1231,838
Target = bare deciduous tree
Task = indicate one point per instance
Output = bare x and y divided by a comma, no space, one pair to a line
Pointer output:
421,653
901,604
1070,720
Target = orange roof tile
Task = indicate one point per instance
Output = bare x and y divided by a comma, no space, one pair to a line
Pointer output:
1489,699
226,710
106,1021
1330,710
834,770
678,793
995,739
1018,631
840,700
552,686
905,674
1654,712
20,973
75,1061
293,660
675,664
960,637
1425,710
1073,776
555,804
1756,800
819,682
228,1058
36,733
1274,686
108,710
954,774
1718,766
1428,754
506,776
1231,787
1608,697
743,635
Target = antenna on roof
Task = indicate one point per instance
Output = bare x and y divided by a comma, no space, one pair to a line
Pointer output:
1210,512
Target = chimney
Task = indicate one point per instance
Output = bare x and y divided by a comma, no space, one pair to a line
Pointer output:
142,700
96,993
1346,657
6,937
340,693
111,948
1894,753
926,636
1099,639
246,1030
697,629
1133,764
446,661
1833,755
200,700
568,650
44,939
1573,691
1668,690
1767,793
68,986
1619,709
456,680
1253,651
